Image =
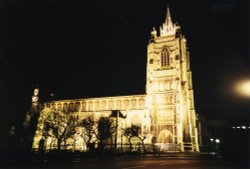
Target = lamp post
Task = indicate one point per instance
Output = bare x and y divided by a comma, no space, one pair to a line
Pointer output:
215,144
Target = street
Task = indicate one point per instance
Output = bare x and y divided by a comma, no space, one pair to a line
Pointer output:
156,163
136,162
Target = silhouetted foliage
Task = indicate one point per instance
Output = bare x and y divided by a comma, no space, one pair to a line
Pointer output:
105,131
61,126
89,131
130,132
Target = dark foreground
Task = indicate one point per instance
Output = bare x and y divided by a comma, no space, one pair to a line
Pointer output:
171,161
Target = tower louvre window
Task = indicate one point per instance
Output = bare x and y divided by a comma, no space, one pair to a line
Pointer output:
164,57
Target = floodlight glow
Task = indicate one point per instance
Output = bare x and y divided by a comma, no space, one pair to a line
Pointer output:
243,88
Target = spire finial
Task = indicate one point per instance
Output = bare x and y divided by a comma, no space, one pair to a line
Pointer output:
168,16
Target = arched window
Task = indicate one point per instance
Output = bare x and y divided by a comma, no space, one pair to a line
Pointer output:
164,57
77,106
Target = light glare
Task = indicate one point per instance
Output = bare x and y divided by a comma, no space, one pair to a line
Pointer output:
243,88
217,141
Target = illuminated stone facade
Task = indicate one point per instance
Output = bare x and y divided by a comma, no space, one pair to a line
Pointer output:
166,112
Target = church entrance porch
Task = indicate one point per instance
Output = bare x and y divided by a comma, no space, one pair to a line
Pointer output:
165,142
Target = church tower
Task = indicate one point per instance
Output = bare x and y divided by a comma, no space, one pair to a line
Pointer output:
166,112
169,88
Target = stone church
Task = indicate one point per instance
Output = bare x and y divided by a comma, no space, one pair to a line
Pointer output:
165,112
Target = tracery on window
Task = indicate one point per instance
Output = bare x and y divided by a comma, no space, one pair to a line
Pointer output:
164,57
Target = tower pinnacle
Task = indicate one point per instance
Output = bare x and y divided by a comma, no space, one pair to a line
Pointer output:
168,16
168,28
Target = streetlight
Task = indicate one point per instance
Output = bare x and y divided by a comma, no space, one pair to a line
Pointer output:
243,88
215,145
217,141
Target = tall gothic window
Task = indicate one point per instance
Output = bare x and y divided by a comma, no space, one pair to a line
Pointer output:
164,57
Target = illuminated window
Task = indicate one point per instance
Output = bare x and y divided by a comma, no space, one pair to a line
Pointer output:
118,104
65,107
90,105
84,106
53,106
104,105
164,57
133,103
141,103
59,106
126,104
111,104
77,106
71,107
136,120
97,105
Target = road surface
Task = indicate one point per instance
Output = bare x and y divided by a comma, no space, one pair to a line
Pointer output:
133,163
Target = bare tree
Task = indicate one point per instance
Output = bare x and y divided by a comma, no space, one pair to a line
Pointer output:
135,131
89,132
61,126
130,132
106,130
143,136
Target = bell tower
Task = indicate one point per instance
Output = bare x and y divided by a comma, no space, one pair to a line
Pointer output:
169,88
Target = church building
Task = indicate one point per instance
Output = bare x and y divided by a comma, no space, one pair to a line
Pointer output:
165,111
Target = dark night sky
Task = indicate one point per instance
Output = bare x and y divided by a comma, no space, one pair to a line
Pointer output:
79,49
